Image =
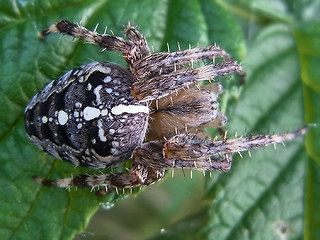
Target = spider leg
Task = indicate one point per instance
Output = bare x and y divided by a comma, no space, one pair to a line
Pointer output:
152,154
191,147
140,42
130,49
185,112
137,176
164,63
191,151
162,85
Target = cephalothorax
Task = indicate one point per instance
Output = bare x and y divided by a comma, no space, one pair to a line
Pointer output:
101,114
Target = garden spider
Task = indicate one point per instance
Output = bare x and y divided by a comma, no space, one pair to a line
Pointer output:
101,115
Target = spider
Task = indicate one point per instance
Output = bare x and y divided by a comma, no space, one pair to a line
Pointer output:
101,114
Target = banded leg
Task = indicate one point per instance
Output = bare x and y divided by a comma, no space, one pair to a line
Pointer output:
191,147
132,50
105,41
164,63
137,176
185,111
162,85
140,42
153,154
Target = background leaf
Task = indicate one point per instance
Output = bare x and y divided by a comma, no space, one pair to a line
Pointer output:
272,195
308,37
263,194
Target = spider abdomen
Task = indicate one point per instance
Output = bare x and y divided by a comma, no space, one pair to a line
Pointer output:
88,116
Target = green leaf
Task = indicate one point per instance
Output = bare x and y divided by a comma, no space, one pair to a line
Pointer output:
262,197
186,229
308,36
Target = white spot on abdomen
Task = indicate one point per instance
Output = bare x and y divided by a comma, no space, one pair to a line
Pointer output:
81,79
108,90
78,104
90,113
103,69
101,131
44,119
104,112
107,79
119,109
62,117
96,91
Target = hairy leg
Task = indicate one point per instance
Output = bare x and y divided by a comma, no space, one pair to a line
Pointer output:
191,147
132,50
164,63
137,176
153,154
140,42
162,85
185,112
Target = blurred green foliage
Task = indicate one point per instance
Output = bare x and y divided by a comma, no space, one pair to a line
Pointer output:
273,195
